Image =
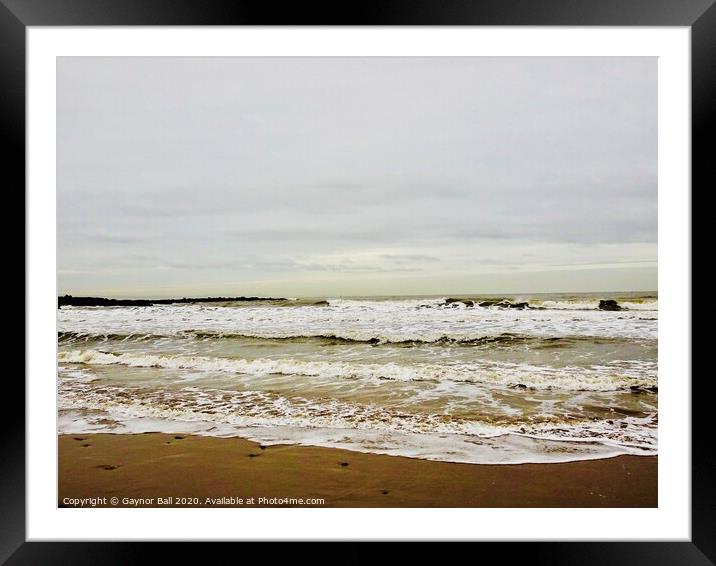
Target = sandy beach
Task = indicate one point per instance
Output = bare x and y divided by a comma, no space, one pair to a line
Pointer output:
138,469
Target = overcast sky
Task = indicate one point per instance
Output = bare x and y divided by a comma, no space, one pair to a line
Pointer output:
351,176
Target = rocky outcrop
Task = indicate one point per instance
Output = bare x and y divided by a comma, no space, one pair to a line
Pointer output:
609,305
466,302
69,300
491,302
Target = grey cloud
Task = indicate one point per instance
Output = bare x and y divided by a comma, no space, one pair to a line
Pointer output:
263,167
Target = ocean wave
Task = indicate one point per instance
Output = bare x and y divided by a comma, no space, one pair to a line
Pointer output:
356,426
457,339
650,305
420,377
476,302
362,321
646,302
616,376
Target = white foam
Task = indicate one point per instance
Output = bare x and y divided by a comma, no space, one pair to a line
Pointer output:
614,376
387,321
645,305
448,403
505,448
89,404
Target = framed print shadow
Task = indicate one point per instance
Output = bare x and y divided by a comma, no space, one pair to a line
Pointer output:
354,278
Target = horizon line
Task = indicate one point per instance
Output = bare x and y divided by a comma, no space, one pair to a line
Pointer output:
329,296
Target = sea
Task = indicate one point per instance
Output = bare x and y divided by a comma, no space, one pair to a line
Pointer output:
431,377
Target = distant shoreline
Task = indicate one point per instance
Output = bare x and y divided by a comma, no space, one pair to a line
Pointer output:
69,300
469,299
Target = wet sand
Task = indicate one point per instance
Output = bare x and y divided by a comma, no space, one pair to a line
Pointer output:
207,469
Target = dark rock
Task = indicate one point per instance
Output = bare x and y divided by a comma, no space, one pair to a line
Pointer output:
491,302
609,305
642,389
455,302
69,300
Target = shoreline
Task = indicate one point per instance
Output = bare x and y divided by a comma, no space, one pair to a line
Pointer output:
138,469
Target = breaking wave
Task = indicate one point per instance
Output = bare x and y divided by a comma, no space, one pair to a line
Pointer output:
618,376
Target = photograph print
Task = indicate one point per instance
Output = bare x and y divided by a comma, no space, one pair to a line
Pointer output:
357,282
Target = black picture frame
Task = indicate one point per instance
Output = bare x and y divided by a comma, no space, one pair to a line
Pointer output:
699,15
